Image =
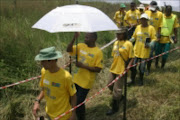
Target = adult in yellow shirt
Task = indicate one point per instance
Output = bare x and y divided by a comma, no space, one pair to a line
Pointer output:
119,16
155,19
122,53
89,63
144,37
170,25
57,86
131,18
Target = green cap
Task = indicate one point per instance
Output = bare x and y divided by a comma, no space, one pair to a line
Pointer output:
122,5
48,54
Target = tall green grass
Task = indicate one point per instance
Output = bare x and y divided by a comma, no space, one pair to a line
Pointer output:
19,43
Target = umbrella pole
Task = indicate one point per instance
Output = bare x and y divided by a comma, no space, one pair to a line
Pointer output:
125,97
76,50
70,65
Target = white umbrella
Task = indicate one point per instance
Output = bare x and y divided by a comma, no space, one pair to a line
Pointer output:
174,3
75,18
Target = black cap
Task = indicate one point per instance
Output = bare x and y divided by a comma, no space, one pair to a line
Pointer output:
153,3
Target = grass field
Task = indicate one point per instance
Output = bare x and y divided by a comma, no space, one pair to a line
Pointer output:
158,99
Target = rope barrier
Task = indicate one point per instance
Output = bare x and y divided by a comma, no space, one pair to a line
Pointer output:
33,78
17,83
27,80
117,78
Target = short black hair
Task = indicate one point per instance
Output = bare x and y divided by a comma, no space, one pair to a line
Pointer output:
94,35
153,3
125,34
169,7
133,3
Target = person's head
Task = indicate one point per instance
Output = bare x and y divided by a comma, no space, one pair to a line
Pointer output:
153,6
168,10
141,8
90,38
133,6
144,19
121,33
48,57
122,6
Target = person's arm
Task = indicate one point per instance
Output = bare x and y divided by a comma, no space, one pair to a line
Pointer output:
126,19
70,46
92,69
130,63
37,103
73,100
175,33
128,23
159,34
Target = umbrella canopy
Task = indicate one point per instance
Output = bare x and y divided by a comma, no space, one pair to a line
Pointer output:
174,3
75,18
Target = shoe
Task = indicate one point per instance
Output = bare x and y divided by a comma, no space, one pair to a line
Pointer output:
110,112
141,79
147,72
115,108
163,64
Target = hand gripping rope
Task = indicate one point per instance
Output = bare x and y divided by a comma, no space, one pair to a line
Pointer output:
117,78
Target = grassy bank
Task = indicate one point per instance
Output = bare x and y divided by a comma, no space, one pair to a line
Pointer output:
158,99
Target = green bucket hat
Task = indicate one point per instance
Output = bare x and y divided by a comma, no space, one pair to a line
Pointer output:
48,54
122,5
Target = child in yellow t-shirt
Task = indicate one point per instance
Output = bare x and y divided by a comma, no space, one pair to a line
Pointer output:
57,86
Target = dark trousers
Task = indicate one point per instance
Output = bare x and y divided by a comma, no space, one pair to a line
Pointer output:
131,32
81,96
142,66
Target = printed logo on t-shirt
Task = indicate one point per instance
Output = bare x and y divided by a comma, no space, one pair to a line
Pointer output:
55,84
91,55
83,52
139,33
46,81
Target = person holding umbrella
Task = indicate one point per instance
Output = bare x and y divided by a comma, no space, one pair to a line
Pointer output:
122,53
119,16
169,26
89,62
144,37
57,87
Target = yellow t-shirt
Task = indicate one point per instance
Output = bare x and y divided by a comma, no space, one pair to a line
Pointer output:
140,36
119,17
155,19
92,57
176,25
57,87
121,49
132,16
